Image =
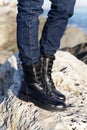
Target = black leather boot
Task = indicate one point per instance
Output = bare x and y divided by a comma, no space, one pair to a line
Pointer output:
35,90
47,63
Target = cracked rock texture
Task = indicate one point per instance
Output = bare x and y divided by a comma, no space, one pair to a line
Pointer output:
70,77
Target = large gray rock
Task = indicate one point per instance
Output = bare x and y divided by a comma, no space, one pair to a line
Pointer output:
80,51
70,77
72,37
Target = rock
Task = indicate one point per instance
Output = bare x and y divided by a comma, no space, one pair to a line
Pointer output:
72,37
4,55
8,2
70,77
7,33
7,27
80,51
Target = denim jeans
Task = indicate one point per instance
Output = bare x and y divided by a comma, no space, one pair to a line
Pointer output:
29,47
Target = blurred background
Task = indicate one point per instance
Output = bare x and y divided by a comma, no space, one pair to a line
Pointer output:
80,14
74,39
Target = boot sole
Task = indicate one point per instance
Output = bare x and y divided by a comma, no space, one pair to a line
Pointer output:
44,106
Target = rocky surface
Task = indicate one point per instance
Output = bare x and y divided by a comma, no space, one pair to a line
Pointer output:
80,51
7,32
70,77
7,27
72,37
8,2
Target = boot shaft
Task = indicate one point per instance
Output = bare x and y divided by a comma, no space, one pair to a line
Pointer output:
32,73
46,66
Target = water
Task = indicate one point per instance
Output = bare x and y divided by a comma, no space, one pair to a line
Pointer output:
79,18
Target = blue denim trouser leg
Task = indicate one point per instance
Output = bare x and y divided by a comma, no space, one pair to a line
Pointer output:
55,26
27,30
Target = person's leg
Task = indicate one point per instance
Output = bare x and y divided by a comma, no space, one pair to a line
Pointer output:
55,25
27,39
27,30
53,30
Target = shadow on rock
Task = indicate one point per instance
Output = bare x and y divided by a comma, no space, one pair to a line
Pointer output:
7,81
